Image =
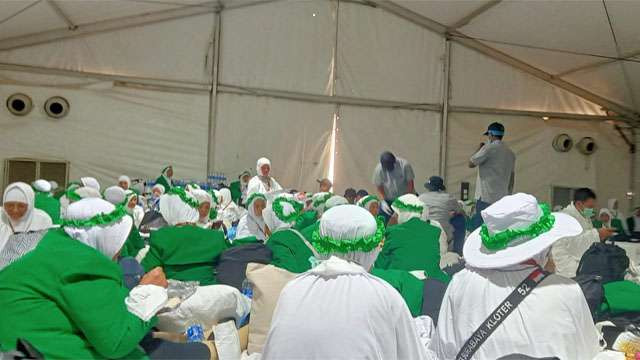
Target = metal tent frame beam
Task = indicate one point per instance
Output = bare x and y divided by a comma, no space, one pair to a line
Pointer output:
596,64
465,20
630,115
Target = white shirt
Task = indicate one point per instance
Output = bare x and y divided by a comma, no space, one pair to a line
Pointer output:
567,252
339,311
496,165
553,320
258,186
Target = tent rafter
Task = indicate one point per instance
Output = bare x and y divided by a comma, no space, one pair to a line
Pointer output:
58,10
596,64
465,20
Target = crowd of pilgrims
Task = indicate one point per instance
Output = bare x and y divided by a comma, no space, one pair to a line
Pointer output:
87,272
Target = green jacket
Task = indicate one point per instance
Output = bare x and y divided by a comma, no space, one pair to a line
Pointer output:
410,288
631,224
236,192
411,246
615,223
621,297
162,181
307,219
289,251
186,253
48,204
67,300
134,243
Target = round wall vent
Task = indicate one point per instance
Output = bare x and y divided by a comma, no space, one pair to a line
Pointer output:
57,107
563,143
587,146
19,104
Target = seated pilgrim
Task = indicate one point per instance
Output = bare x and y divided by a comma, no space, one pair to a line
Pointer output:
45,201
371,203
606,220
633,224
551,321
251,225
337,310
413,244
66,297
183,250
22,226
263,182
117,196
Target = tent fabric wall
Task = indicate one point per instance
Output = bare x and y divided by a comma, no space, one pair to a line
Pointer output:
131,52
294,135
407,65
364,133
291,54
538,165
111,131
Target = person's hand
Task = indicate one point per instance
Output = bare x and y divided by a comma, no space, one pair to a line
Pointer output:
385,207
606,233
155,277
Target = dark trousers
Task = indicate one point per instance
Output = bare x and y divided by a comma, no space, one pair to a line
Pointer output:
162,349
477,221
459,231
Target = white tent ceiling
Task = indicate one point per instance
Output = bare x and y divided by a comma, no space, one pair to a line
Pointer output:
357,59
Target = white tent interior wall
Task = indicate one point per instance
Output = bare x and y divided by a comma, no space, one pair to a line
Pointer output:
212,86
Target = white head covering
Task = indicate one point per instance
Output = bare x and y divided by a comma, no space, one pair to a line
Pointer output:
175,211
159,187
251,224
33,219
367,201
614,207
409,206
225,197
90,182
276,221
261,162
87,192
54,185
335,200
606,211
349,224
107,239
202,196
319,201
42,186
126,179
516,212
115,195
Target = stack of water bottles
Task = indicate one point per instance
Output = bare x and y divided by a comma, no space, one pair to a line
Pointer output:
217,180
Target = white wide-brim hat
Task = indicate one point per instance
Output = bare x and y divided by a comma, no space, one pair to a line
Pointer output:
515,212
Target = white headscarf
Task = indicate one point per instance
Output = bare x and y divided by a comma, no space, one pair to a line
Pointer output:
262,162
251,224
225,197
42,186
349,223
271,218
126,179
54,185
335,200
115,195
107,239
228,211
367,201
175,211
33,219
159,187
90,182
605,211
319,201
202,196
405,215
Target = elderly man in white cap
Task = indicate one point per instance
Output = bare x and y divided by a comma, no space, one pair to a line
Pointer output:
503,304
337,310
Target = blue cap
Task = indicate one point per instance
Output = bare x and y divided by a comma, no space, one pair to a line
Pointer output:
495,129
435,183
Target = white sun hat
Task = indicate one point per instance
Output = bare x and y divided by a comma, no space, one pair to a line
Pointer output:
516,228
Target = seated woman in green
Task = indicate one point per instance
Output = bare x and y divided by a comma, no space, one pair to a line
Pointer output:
239,188
183,250
291,251
67,298
165,179
606,220
412,244
45,201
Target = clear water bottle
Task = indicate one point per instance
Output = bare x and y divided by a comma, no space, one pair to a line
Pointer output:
231,233
194,333
247,289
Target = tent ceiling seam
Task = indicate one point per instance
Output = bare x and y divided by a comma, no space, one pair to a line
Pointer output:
2,21
58,10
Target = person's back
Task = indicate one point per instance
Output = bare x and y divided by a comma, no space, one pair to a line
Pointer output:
186,253
496,164
353,314
413,245
553,320
48,204
440,205
290,251
62,293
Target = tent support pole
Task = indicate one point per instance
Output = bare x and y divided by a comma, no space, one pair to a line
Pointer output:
444,120
213,95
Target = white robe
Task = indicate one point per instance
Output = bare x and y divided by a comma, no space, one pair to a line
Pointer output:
339,311
257,186
554,320
567,252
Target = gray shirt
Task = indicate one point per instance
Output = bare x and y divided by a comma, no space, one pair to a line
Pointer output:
441,205
396,182
496,164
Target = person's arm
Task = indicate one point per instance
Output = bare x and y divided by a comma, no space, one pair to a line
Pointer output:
478,157
410,187
94,300
409,176
380,190
512,181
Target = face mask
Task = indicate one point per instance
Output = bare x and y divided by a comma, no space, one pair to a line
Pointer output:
587,212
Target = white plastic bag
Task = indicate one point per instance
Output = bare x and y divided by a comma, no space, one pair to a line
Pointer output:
207,306
227,341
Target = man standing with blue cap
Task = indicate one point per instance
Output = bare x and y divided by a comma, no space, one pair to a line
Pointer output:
496,165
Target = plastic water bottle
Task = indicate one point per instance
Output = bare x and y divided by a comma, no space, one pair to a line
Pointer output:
231,233
194,333
247,289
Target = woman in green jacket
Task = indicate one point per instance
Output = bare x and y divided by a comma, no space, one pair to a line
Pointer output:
66,297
